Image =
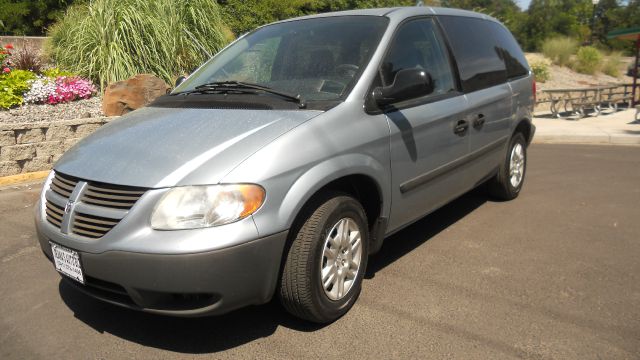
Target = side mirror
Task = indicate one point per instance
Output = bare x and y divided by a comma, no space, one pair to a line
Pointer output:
408,84
180,80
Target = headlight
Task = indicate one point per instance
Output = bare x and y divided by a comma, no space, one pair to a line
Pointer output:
192,207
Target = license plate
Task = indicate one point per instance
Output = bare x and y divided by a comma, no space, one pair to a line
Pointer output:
67,262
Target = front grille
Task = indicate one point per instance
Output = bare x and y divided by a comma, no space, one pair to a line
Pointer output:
63,185
102,203
119,197
92,226
54,213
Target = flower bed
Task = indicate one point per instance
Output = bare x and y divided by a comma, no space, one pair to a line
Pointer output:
58,90
33,85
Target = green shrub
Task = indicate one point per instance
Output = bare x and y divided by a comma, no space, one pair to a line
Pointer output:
12,87
559,49
588,60
111,40
613,64
541,71
56,72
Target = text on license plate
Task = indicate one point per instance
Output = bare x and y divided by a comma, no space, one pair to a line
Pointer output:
67,262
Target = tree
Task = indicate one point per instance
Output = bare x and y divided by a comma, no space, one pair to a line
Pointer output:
549,18
245,15
614,15
18,17
507,11
11,14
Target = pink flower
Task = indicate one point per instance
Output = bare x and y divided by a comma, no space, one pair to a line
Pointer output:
70,89
6,70
8,46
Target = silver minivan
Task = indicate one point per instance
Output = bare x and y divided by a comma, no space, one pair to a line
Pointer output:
283,162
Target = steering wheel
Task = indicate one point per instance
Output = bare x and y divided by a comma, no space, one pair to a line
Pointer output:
347,70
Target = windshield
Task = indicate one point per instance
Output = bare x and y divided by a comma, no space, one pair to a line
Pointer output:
319,58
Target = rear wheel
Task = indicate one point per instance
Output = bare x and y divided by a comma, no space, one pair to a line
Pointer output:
506,185
326,262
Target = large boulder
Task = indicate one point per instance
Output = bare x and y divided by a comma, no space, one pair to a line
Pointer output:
122,97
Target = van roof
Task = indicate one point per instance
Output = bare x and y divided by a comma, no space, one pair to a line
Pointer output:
398,12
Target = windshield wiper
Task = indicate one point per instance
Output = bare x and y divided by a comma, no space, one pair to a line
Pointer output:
232,85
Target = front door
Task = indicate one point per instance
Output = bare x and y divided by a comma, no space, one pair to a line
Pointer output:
429,138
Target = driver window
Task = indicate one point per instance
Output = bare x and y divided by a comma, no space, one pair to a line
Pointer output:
417,44
253,65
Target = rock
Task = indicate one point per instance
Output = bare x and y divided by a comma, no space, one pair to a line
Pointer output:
31,113
9,168
68,143
49,148
86,129
7,138
18,152
122,97
29,136
58,132
37,164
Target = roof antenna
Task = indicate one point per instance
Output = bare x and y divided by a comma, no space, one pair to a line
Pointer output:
419,3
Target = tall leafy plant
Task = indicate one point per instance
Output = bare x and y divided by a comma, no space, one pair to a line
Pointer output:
588,60
111,40
559,49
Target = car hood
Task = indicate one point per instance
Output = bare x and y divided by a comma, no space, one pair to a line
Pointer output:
162,147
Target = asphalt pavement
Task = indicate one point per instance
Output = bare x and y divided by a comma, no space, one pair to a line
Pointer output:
552,274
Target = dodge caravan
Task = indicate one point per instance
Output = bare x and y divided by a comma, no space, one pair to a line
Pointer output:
284,161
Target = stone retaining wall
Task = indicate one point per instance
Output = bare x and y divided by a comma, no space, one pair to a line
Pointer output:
36,42
28,147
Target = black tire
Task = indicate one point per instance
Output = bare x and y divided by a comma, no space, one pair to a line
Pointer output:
301,291
500,186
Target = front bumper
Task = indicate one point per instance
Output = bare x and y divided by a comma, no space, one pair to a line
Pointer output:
205,283
195,272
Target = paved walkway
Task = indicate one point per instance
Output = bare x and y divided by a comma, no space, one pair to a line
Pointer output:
609,128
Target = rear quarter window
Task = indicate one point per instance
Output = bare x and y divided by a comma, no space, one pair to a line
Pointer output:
476,52
512,55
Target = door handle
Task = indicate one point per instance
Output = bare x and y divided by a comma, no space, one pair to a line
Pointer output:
479,121
461,127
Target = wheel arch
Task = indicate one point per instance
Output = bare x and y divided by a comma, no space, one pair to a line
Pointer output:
525,127
357,175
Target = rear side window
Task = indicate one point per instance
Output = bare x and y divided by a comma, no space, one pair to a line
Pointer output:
511,53
478,57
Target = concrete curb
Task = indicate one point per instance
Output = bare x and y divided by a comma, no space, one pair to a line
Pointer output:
627,140
23,178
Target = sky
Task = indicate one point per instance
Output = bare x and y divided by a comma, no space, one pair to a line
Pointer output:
524,4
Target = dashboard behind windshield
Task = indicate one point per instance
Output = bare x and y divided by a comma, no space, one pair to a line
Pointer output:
318,58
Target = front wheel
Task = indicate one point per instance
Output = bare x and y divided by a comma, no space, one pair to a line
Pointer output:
326,262
506,185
